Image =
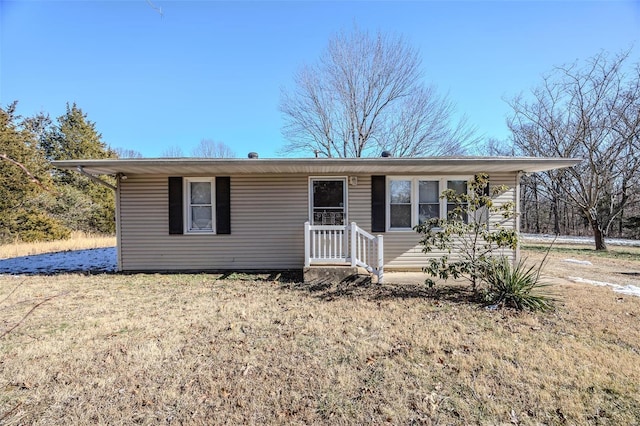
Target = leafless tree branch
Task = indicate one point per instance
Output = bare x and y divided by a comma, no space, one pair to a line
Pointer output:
365,94
36,306
589,111
32,178
208,148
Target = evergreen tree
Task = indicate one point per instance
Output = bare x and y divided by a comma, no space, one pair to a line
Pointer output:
23,176
75,137
19,145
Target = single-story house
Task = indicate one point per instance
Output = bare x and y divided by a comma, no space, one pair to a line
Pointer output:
194,214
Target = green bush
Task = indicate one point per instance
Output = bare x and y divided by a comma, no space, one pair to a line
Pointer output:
34,226
76,210
470,235
516,286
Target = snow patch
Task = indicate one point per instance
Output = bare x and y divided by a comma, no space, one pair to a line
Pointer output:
579,262
630,290
91,260
569,239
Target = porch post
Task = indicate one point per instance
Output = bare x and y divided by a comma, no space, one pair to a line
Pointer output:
380,260
307,248
354,237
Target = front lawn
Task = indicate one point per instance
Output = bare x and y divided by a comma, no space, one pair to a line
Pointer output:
260,349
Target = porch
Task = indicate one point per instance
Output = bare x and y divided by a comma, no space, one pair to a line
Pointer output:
345,247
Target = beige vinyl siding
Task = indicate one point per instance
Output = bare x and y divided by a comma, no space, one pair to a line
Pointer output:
508,196
403,251
360,202
267,222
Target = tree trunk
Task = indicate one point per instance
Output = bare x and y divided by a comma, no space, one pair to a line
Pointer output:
537,206
623,202
556,216
598,236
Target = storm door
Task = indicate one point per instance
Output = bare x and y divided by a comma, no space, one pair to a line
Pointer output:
328,201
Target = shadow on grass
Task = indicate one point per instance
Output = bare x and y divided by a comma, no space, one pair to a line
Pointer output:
360,287
282,277
363,288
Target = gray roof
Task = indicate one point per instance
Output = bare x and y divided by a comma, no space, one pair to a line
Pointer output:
405,165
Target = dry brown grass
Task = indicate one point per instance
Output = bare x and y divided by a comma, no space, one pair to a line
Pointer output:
149,349
78,241
619,265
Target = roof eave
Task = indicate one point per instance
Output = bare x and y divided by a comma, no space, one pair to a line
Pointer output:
449,165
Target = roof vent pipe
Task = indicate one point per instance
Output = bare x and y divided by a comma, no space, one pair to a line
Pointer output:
386,154
252,155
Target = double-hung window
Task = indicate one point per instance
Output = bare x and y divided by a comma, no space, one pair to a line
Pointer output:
428,200
460,187
415,200
400,216
199,205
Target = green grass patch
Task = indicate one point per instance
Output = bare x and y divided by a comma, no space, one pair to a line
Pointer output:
622,253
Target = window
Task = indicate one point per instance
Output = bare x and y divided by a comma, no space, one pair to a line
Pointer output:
199,193
400,204
328,201
428,200
415,200
460,186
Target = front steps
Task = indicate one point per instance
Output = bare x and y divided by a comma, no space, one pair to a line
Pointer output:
334,274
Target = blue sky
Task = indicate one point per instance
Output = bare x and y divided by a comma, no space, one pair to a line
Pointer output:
215,69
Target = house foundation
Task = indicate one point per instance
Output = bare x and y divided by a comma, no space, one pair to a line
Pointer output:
330,274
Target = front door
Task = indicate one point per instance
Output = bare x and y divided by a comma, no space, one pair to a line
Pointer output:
328,201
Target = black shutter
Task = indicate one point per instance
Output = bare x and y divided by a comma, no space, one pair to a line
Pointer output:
223,205
485,190
176,220
378,208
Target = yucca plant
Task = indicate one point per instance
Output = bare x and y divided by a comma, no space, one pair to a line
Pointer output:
517,286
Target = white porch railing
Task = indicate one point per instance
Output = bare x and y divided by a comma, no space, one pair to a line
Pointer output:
343,244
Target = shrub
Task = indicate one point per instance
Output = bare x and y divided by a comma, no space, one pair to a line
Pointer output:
470,234
76,210
516,286
34,226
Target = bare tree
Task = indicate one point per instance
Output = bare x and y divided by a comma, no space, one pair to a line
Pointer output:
127,153
498,147
366,94
208,148
591,112
174,151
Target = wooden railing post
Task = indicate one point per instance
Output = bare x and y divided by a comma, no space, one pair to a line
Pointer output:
380,259
354,237
307,245
325,244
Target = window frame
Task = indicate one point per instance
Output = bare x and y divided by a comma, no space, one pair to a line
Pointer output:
345,196
415,196
411,203
187,205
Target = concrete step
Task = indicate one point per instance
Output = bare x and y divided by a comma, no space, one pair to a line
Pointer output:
334,274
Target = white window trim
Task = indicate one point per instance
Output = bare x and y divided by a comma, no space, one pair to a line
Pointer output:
415,193
345,195
187,205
